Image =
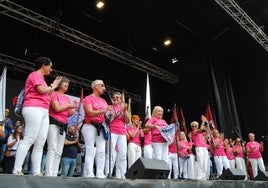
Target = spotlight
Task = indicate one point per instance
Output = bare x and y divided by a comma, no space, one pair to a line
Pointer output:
167,42
100,4
174,60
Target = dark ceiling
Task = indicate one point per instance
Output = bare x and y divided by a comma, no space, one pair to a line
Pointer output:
137,27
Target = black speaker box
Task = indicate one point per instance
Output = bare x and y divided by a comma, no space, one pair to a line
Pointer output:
233,174
262,176
148,169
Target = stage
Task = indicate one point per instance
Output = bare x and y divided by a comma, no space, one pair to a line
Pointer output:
28,181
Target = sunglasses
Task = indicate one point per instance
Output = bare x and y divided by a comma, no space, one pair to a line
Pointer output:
116,97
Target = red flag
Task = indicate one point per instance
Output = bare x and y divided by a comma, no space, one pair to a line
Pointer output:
174,117
209,117
182,121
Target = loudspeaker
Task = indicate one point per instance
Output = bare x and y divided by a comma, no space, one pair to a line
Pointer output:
262,176
148,169
233,174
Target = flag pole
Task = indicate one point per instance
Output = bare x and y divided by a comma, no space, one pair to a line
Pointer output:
3,95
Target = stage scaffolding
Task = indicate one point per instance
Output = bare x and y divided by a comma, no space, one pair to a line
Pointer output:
24,67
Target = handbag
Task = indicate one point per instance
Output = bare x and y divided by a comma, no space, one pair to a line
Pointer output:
19,103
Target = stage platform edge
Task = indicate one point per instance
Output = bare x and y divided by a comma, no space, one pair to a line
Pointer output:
27,181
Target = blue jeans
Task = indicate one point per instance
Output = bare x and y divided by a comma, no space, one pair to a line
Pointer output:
68,166
3,147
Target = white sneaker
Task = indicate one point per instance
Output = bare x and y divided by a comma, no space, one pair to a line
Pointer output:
90,176
18,173
101,177
41,174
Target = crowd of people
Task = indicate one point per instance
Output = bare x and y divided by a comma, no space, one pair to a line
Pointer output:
47,146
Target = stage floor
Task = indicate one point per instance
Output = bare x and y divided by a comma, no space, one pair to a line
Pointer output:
28,181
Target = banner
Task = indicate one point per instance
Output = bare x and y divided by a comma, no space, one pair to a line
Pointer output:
168,132
78,117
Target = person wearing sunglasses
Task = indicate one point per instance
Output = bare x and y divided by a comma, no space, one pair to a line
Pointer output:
201,149
118,128
95,108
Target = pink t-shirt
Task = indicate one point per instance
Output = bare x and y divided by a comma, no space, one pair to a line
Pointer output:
172,148
219,150
156,135
97,103
183,148
190,145
255,153
147,138
240,151
199,139
32,97
62,99
118,125
136,138
229,153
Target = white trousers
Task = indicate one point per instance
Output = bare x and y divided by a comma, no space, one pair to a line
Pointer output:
202,160
55,144
257,164
241,164
98,153
36,129
160,151
133,153
119,141
148,151
173,165
191,167
220,163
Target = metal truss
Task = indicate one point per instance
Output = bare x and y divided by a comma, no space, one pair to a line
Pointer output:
232,8
23,66
46,24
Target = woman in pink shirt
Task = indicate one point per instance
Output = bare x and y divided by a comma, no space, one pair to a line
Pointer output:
35,112
239,151
118,124
229,152
95,108
173,157
147,143
254,150
60,109
191,161
218,152
183,148
159,144
134,145
201,149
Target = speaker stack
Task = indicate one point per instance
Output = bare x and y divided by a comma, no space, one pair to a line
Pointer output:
233,174
262,176
148,169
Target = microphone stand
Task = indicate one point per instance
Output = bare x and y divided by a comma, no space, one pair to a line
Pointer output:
177,148
110,174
